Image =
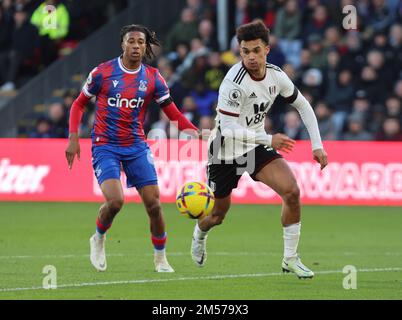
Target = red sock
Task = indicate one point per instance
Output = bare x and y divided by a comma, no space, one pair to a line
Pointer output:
159,241
100,227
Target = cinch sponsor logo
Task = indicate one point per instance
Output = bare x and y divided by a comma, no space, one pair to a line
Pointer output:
119,102
21,179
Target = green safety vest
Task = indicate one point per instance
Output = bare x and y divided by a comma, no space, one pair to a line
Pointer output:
55,24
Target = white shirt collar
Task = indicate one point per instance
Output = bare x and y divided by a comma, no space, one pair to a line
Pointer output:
122,67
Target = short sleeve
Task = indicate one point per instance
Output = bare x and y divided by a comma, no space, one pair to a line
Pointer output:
287,89
162,92
93,84
231,97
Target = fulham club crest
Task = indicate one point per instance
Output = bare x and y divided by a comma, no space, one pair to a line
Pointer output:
272,90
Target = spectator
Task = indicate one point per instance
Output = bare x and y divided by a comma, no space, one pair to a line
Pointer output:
288,29
204,98
395,40
43,129
393,107
380,44
270,14
354,57
276,55
23,42
68,99
8,10
318,52
241,14
380,17
287,25
326,122
6,26
361,104
391,130
176,88
312,81
178,56
290,71
318,23
51,36
206,33
199,7
356,130
376,119
215,72
87,125
369,82
398,89
58,117
340,94
194,62
206,123
189,109
333,40
375,59
293,126
197,71
183,31
305,60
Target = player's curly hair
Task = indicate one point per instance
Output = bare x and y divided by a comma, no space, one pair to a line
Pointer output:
253,31
150,38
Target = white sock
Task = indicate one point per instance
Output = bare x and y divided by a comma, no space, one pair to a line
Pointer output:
291,235
160,252
99,235
199,234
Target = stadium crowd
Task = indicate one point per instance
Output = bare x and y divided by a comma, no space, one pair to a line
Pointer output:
352,78
27,44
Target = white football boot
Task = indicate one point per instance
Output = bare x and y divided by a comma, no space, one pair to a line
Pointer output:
296,266
199,251
97,255
161,263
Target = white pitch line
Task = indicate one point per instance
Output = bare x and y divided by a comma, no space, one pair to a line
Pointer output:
216,277
70,256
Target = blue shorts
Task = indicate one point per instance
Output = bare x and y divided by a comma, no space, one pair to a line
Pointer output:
138,166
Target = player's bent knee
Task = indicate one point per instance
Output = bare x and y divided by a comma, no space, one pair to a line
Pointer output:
154,209
292,194
115,205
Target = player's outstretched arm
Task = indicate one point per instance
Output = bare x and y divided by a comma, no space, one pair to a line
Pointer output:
282,142
183,124
321,157
73,149
76,112
310,121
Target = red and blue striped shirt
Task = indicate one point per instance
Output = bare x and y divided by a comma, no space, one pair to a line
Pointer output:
122,98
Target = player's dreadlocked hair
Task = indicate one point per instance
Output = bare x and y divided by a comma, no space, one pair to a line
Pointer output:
150,37
253,31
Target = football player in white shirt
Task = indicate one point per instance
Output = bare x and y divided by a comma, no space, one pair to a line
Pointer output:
240,144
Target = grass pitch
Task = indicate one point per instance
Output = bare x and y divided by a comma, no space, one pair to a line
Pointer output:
244,254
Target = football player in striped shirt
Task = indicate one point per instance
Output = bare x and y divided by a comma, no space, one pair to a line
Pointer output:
124,87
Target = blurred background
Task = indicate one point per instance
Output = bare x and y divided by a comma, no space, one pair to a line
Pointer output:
352,78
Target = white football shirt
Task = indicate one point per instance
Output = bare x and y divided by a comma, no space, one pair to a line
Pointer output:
249,100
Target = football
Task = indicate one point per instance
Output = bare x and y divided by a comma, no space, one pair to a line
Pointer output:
195,200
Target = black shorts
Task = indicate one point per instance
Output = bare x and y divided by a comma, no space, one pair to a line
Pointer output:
223,176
